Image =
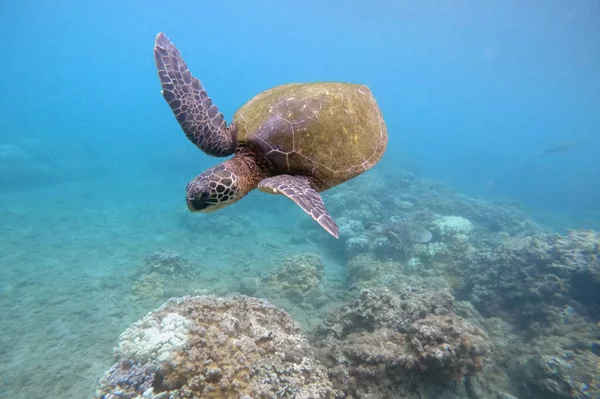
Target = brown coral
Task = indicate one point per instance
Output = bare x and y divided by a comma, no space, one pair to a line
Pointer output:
525,276
296,275
378,342
230,347
448,345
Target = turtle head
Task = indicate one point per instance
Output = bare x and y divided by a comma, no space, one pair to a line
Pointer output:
212,190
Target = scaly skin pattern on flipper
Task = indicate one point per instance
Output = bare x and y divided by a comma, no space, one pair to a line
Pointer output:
198,116
300,190
329,131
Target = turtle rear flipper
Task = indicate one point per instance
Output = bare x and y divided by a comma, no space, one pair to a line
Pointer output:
299,190
201,121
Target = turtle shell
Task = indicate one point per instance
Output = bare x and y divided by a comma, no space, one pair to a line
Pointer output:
332,131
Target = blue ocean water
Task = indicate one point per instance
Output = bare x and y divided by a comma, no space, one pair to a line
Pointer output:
93,166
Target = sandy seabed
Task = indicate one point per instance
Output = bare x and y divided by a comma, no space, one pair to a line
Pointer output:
68,256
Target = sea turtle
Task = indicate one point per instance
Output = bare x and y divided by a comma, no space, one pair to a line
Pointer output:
296,139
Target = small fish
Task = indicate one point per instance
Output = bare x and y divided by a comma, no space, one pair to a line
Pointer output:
561,147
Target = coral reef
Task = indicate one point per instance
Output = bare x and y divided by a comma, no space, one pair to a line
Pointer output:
350,228
546,287
498,216
357,245
393,238
127,378
295,276
449,297
364,271
381,342
432,252
568,376
421,201
526,276
149,286
450,226
357,204
559,360
161,275
215,348
389,240
401,231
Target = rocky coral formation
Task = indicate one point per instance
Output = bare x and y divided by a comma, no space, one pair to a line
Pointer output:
295,276
364,271
422,262
524,324
547,287
559,360
525,276
422,199
148,286
356,201
458,223
450,226
498,216
454,231
350,228
215,348
560,377
161,275
375,346
392,240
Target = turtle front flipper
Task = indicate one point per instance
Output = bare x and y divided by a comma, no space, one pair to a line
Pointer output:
299,190
194,110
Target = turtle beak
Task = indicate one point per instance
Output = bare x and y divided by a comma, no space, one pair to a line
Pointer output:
196,205
198,197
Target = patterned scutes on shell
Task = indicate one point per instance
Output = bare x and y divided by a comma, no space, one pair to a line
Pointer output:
333,131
